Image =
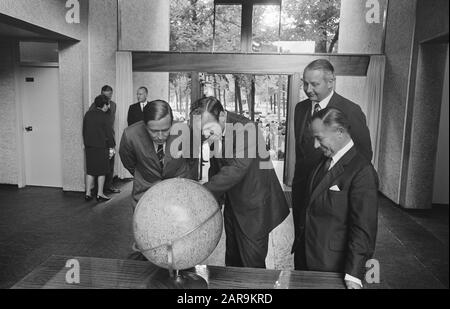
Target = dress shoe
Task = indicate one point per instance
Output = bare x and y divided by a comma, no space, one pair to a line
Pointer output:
113,190
88,198
102,198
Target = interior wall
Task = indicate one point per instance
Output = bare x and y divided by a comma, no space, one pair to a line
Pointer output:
85,66
400,25
441,174
102,45
418,161
425,125
48,14
154,37
8,119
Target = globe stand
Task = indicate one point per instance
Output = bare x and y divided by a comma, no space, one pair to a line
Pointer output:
177,279
186,280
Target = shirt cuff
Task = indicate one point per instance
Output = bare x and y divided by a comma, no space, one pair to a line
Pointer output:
353,279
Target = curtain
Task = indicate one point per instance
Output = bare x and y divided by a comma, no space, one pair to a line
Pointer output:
373,92
124,95
293,99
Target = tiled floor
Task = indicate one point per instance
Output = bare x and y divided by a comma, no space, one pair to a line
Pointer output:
412,247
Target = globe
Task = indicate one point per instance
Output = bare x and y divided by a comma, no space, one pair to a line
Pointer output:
177,224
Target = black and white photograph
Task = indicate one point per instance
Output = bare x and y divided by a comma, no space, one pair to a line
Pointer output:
224,149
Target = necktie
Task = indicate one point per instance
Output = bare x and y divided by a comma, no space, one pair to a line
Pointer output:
317,108
322,172
160,155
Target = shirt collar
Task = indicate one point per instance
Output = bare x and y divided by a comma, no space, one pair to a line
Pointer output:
155,145
341,153
324,103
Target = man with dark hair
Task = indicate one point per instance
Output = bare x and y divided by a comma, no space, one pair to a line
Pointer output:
144,150
318,83
254,200
338,225
136,110
108,92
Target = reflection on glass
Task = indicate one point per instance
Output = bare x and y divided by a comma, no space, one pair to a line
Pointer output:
228,28
266,104
266,28
180,95
191,25
309,26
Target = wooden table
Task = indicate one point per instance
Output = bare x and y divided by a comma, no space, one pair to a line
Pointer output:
100,273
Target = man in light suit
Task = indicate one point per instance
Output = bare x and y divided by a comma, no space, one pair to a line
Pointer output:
145,150
338,226
136,110
254,200
318,83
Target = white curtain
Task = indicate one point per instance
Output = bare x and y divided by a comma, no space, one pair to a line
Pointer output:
294,98
124,95
373,92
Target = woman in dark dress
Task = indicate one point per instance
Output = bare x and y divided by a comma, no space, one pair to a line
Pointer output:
99,145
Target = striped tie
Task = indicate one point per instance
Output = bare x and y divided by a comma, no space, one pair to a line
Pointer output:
160,155
317,108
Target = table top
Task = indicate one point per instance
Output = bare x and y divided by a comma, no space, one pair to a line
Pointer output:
60,272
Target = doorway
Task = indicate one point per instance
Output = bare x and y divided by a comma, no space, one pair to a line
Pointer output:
39,87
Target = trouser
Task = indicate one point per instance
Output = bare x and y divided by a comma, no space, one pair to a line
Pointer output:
241,251
300,255
110,175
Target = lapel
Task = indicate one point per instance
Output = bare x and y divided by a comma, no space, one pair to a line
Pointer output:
334,101
151,153
305,112
329,177
167,154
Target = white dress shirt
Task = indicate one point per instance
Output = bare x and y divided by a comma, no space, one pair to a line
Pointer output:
324,103
337,156
143,104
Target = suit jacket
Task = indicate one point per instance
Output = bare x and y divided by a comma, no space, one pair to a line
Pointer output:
338,229
307,157
138,156
254,194
135,114
97,131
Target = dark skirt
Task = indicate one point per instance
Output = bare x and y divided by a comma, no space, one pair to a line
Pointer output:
97,161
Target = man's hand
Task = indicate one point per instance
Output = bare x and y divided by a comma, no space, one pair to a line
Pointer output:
212,132
112,152
352,285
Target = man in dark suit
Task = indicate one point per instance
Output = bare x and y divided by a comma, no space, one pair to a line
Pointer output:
144,150
136,110
338,226
247,184
108,92
318,84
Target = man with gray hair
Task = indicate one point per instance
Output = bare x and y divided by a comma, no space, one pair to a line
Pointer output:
318,83
338,224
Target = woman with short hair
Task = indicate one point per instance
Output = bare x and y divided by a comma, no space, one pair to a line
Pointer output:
99,146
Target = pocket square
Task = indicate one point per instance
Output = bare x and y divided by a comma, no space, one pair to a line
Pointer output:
335,188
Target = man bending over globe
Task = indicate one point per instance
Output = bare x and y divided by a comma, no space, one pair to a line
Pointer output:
254,200
144,150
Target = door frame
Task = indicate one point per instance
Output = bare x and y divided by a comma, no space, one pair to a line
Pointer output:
21,175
